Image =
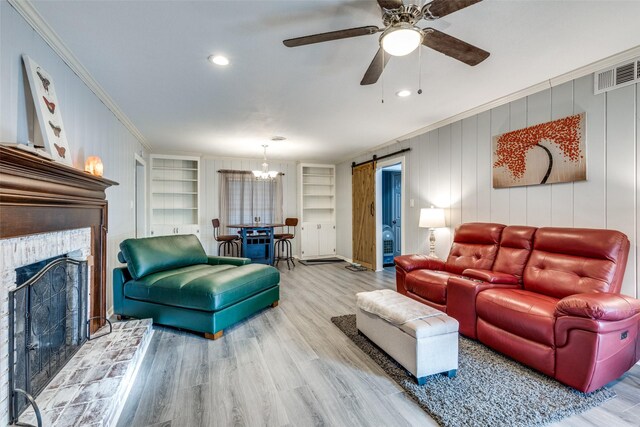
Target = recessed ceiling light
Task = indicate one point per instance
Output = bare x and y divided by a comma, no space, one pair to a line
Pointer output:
403,93
219,59
278,138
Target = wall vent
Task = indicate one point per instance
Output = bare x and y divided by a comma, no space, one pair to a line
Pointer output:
620,75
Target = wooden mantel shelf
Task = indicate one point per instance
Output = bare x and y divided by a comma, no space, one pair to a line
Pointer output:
27,178
39,196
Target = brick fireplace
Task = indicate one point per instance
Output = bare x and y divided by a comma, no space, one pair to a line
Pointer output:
48,209
23,251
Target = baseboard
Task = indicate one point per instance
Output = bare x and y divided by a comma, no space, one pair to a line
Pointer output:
349,260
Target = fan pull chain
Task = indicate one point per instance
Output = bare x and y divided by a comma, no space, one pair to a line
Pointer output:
420,61
382,82
419,70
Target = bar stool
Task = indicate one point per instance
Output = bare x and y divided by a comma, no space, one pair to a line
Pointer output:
228,242
283,242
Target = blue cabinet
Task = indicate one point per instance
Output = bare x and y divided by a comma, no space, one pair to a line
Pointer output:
257,244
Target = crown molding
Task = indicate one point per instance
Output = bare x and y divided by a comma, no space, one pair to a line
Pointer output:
547,84
26,9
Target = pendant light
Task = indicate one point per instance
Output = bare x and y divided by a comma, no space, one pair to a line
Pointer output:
265,173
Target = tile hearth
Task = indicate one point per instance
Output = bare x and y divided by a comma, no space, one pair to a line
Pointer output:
92,388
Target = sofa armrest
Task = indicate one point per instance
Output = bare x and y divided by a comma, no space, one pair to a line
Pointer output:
121,276
461,301
491,276
418,262
598,306
219,260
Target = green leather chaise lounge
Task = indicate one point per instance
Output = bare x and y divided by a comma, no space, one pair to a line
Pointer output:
172,280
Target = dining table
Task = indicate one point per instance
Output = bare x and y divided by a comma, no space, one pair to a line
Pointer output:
257,241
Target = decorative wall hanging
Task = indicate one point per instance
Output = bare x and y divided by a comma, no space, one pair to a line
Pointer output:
48,111
541,154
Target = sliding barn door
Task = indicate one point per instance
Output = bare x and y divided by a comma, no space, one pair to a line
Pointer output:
364,215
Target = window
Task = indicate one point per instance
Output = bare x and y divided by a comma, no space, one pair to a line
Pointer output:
243,198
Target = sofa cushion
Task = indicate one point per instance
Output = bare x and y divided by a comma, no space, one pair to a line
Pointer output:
520,312
429,284
516,244
475,245
203,287
581,242
567,261
154,254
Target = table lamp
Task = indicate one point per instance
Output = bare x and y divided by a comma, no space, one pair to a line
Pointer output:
432,218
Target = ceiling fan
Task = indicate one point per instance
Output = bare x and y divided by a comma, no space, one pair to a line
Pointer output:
400,35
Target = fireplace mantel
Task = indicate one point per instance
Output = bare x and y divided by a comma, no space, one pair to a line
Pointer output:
39,196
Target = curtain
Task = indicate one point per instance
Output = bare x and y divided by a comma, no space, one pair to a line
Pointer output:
243,199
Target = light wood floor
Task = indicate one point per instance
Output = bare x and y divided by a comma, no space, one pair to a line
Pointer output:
290,366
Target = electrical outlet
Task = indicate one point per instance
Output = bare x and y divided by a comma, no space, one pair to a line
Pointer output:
411,203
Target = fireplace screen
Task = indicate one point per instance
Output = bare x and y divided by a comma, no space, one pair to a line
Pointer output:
47,325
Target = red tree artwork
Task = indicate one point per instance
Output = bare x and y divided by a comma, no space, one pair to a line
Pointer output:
563,137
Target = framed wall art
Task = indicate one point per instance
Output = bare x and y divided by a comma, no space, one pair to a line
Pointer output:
542,154
47,109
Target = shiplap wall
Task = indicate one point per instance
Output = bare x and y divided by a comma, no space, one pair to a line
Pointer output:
91,127
450,167
210,198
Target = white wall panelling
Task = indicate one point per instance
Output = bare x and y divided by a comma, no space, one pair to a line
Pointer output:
500,200
483,164
469,176
621,167
450,167
343,210
92,129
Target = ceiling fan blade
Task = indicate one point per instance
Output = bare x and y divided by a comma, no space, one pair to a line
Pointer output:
331,35
440,8
453,47
390,4
375,68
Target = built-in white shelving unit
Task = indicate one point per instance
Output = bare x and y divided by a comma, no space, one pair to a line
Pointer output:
175,195
317,210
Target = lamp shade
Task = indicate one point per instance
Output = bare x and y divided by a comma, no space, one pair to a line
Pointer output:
432,218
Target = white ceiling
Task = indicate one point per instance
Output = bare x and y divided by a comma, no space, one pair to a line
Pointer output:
151,57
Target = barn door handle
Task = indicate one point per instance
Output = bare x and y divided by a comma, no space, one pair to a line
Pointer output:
372,209
393,222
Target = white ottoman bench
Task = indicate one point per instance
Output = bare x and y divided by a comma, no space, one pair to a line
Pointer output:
422,339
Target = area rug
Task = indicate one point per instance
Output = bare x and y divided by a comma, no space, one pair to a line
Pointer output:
489,390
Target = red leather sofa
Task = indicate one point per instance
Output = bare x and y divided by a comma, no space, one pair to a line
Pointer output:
547,297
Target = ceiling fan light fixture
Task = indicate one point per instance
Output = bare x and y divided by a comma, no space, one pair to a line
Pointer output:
401,39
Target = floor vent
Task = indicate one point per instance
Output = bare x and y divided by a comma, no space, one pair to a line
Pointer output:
623,74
